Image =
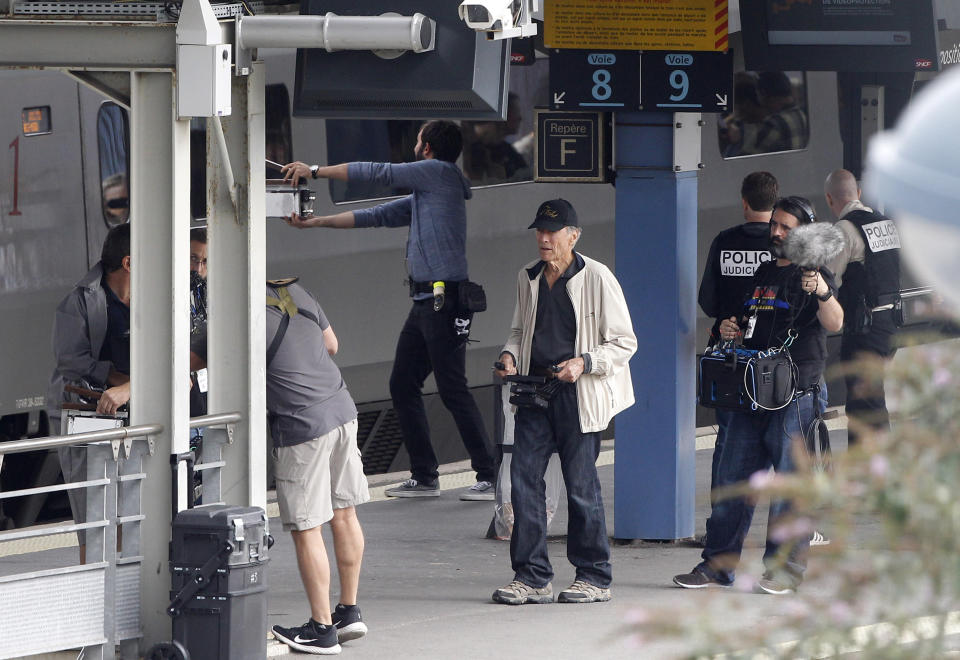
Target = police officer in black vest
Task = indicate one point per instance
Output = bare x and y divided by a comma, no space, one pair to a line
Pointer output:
728,276
868,275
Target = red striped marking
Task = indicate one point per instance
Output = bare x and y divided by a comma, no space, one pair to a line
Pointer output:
721,28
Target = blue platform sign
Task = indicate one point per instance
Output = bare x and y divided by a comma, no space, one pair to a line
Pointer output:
672,81
594,79
686,82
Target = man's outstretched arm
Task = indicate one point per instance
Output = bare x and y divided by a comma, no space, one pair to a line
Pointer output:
343,220
297,170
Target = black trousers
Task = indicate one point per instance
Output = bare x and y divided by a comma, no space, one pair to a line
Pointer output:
428,344
866,399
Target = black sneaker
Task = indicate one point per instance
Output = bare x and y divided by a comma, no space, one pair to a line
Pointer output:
700,577
348,622
311,637
413,488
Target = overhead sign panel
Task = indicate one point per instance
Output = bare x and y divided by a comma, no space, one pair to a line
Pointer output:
636,24
628,80
839,35
686,82
583,79
570,147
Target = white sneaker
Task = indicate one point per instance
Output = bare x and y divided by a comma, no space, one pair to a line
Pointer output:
819,539
482,490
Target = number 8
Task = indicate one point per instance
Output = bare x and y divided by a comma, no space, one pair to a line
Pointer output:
601,90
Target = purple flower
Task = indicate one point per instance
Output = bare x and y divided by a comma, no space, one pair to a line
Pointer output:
636,616
879,466
942,377
761,479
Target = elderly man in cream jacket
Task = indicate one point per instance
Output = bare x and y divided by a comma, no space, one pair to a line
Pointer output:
570,323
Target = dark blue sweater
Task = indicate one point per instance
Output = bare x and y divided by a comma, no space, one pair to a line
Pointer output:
436,213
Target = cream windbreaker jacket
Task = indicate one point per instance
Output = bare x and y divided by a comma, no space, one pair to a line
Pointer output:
604,331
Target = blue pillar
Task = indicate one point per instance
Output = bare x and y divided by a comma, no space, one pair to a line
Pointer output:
656,263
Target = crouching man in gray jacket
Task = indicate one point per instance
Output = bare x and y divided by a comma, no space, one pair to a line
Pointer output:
570,323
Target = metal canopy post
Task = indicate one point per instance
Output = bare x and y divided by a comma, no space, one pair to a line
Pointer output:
656,242
160,306
237,279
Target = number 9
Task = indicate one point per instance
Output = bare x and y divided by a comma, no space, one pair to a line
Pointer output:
680,82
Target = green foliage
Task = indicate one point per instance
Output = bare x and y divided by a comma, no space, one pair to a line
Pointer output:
888,585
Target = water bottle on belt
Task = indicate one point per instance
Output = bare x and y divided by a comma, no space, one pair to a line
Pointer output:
438,295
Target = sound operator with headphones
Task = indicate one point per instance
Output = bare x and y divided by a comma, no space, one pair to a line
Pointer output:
787,302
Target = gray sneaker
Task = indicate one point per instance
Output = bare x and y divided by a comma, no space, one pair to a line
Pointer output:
482,490
413,488
518,593
583,592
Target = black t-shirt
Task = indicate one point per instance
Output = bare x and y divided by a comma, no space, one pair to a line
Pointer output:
728,276
116,344
779,303
555,332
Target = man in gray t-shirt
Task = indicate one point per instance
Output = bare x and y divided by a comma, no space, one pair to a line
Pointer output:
313,423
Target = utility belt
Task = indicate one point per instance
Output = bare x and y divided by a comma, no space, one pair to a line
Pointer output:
467,297
417,288
746,380
889,307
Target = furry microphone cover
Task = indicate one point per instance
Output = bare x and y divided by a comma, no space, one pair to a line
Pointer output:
812,246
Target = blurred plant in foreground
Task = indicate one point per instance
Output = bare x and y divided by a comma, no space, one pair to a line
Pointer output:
891,507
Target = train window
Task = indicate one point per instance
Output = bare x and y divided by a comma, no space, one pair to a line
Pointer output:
36,121
494,152
113,138
769,114
279,140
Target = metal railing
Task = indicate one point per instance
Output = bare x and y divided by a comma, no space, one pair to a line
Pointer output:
96,604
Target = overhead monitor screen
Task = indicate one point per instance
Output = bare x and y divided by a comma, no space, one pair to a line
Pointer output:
839,35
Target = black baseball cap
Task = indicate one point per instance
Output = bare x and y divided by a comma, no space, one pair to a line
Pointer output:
554,215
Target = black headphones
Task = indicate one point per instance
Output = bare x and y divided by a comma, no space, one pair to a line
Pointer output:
799,207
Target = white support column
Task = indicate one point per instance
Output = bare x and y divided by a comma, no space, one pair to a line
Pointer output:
160,306
236,333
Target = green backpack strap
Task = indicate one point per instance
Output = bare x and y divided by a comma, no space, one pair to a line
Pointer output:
284,302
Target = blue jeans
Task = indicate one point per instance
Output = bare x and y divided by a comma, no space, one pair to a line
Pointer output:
537,434
753,442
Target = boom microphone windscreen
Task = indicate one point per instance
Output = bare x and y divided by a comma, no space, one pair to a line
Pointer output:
812,246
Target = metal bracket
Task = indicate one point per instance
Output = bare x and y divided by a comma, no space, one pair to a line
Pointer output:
150,446
230,432
128,446
115,445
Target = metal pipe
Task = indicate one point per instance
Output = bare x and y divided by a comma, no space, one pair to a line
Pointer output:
217,419
334,32
52,442
227,169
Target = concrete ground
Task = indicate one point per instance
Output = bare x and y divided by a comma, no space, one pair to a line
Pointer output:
429,572
428,575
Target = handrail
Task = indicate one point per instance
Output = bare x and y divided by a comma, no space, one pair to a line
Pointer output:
52,442
143,430
216,419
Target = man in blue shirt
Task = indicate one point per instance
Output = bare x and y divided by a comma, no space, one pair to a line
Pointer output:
430,340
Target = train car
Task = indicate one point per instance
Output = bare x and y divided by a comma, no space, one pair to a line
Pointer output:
63,183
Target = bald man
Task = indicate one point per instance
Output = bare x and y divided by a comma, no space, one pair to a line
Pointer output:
868,275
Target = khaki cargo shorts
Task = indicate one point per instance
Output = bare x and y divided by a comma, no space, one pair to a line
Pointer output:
318,476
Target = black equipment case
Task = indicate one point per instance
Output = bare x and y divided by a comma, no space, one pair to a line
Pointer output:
745,380
218,559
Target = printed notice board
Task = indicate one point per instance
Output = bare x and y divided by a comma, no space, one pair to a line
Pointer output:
685,25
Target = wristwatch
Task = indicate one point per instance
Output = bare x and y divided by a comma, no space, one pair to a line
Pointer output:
827,296
313,171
